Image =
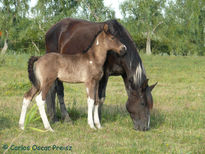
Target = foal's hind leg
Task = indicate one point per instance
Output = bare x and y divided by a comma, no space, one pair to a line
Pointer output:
40,99
26,101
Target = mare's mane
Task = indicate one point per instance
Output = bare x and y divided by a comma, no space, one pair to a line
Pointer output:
133,59
113,28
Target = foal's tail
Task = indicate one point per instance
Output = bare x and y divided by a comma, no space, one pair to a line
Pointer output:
31,73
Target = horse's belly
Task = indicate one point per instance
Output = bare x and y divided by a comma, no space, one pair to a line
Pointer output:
73,77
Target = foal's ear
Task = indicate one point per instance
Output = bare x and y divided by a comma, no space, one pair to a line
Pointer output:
105,28
152,86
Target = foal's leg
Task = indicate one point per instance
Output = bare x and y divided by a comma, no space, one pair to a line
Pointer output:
96,105
60,92
101,93
26,101
40,99
90,88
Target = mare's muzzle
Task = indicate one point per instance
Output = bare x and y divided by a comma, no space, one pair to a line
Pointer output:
142,125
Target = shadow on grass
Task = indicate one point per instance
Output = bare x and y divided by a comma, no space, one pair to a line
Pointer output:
4,123
157,119
112,113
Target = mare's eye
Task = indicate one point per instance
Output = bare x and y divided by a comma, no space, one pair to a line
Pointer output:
112,38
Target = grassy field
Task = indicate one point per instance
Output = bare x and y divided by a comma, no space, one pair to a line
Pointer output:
177,120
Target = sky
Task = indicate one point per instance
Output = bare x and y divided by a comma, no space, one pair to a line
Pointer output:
114,4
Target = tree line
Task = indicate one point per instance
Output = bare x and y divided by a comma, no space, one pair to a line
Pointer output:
166,27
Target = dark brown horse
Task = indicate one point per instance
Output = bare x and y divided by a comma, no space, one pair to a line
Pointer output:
71,36
79,68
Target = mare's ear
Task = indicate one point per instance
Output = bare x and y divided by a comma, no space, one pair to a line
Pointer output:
105,28
144,85
152,86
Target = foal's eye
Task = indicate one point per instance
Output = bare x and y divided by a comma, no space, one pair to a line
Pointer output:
143,104
112,38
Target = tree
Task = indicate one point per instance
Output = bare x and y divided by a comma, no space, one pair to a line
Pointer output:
95,10
186,30
11,14
146,15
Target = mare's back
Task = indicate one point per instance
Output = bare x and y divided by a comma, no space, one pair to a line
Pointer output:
71,36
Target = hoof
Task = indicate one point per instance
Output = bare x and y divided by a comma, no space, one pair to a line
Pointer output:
99,126
50,129
93,127
68,120
53,120
21,126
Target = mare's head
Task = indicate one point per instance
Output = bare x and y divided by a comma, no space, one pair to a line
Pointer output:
109,42
140,100
139,104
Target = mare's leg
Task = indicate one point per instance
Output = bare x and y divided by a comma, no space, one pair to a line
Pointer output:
96,107
50,101
91,90
40,99
26,101
126,83
101,93
60,92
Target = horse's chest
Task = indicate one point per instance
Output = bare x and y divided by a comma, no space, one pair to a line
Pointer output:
94,71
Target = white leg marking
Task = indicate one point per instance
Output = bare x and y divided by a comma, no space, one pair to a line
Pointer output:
90,112
148,121
41,107
25,103
101,103
87,90
102,100
96,117
90,62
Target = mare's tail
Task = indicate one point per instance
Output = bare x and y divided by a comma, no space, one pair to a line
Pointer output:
31,73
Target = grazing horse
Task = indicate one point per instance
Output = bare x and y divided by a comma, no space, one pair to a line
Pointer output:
79,68
64,37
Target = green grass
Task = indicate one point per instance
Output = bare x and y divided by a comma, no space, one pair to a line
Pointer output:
177,120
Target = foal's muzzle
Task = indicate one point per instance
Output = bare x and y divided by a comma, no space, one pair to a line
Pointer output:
123,50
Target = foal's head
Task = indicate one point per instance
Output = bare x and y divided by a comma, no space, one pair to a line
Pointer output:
110,42
139,104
